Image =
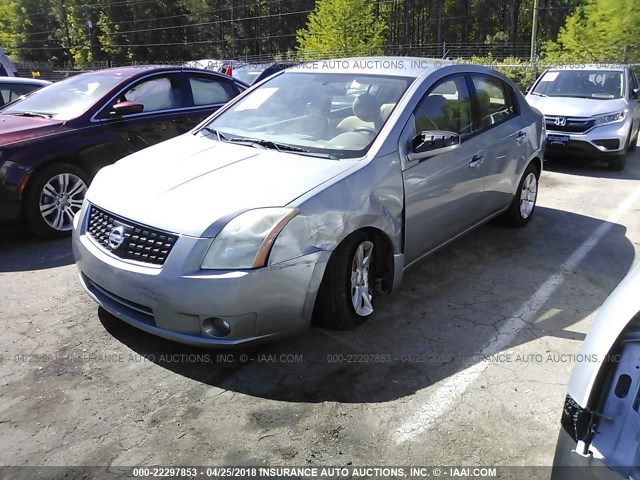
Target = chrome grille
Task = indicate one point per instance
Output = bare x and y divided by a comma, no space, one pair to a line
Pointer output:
141,243
574,125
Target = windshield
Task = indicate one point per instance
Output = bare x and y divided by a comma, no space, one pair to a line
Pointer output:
596,84
338,115
68,98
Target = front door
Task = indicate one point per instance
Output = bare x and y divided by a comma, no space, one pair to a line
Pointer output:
443,193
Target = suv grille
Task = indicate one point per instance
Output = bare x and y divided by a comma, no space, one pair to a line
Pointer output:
575,125
139,242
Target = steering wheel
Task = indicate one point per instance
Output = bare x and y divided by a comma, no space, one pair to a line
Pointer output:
366,130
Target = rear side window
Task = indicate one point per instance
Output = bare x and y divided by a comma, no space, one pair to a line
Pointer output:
496,102
210,91
3,71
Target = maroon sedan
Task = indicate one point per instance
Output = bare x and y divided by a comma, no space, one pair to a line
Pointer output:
54,141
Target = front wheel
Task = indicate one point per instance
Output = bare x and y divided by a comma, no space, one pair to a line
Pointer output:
345,298
54,196
524,203
617,163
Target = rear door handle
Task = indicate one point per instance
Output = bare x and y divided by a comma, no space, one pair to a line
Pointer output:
476,161
520,137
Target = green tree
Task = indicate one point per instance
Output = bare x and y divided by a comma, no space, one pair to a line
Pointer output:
600,31
8,25
342,28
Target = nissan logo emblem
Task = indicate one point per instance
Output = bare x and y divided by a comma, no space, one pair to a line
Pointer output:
560,122
116,237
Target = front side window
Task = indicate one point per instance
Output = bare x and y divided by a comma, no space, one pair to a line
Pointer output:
446,107
336,114
634,81
155,94
495,100
68,98
597,84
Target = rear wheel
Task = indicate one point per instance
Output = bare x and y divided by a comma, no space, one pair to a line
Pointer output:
524,202
345,298
54,196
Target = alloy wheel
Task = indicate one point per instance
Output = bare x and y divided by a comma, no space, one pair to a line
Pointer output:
360,289
60,199
528,195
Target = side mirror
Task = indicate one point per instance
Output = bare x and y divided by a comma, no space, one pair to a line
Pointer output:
635,93
126,108
433,142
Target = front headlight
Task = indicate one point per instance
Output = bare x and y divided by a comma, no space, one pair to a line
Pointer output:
246,240
611,118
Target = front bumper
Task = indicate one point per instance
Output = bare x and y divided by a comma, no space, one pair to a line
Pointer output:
175,300
598,142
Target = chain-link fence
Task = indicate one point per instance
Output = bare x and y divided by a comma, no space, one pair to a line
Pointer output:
512,59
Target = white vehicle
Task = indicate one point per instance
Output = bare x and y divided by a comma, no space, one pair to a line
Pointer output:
600,418
592,111
7,69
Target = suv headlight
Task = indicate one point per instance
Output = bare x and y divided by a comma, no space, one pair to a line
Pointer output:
611,118
246,240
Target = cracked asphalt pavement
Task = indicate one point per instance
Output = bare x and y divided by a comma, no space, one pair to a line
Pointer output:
410,387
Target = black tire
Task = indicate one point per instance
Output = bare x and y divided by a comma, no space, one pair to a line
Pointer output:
634,142
334,307
515,216
617,164
44,224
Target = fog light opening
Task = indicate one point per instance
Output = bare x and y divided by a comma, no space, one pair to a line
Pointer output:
216,327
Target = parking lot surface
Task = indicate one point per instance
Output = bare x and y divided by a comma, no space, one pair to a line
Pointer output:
465,365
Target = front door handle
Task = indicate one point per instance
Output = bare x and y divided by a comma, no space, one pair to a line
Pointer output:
476,161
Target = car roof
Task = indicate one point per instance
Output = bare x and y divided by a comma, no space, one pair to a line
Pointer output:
26,81
389,66
591,66
130,72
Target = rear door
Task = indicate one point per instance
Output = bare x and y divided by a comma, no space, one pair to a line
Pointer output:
504,132
443,193
207,93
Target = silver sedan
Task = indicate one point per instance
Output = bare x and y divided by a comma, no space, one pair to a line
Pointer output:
305,197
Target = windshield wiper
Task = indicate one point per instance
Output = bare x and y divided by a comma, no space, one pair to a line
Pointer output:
538,94
215,132
31,114
280,147
258,142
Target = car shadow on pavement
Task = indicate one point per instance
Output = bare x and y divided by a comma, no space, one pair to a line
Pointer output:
587,167
446,311
21,251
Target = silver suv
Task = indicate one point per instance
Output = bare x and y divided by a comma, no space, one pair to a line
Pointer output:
7,69
589,110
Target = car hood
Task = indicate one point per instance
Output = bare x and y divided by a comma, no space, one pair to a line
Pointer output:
187,184
612,318
575,107
15,129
